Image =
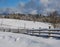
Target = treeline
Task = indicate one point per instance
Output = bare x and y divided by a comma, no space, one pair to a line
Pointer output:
53,17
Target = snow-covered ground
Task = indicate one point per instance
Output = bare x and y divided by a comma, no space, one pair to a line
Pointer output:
13,23
8,39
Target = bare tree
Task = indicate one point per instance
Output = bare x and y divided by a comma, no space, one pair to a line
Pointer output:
53,18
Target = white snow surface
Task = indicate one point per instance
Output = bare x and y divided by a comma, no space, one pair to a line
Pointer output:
8,39
13,23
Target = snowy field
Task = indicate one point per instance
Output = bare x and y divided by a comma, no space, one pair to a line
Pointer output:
8,39
13,23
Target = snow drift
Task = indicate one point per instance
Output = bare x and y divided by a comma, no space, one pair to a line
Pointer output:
8,39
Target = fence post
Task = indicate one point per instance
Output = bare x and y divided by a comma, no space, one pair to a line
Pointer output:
9,30
49,31
27,31
33,31
18,30
4,30
39,31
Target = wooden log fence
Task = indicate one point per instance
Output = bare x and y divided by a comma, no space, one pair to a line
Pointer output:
35,32
50,32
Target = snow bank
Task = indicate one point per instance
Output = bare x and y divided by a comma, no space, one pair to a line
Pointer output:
13,23
20,40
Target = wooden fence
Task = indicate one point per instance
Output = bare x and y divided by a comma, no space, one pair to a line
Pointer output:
44,32
35,32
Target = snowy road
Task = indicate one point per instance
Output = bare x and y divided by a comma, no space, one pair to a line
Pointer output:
8,39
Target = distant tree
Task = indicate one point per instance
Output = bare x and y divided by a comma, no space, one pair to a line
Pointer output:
53,18
36,16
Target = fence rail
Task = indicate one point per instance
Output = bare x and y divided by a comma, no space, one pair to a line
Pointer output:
44,30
